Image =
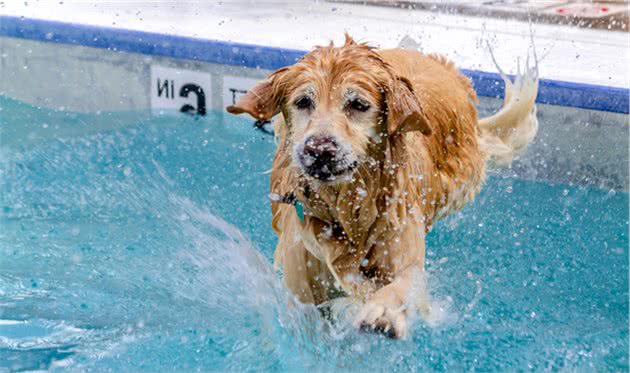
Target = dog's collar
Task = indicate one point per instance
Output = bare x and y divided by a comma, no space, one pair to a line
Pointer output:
299,209
291,200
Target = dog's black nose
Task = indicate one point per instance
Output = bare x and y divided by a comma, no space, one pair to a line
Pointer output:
323,149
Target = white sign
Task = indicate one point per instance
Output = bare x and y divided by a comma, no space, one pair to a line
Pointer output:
186,91
234,87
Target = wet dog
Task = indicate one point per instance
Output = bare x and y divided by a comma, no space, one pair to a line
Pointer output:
376,145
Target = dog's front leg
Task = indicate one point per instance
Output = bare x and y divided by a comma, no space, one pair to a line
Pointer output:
387,310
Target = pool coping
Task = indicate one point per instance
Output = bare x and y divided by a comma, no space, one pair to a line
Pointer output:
487,84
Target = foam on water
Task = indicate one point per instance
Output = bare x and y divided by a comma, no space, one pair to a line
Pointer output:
148,247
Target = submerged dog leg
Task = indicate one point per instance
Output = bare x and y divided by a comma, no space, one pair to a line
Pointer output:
388,309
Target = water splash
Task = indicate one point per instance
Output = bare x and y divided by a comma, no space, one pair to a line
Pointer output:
140,248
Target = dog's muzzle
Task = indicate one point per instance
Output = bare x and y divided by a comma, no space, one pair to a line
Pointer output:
322,158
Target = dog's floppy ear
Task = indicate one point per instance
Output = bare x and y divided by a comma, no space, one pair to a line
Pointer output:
404,113
263,100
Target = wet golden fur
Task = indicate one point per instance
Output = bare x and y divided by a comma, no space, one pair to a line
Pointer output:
418,160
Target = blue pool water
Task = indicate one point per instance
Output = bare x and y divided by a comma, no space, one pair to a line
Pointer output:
132,242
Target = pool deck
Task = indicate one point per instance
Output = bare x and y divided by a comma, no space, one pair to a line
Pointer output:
569,54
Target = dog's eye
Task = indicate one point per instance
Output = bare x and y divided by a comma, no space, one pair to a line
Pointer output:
359,105
304,103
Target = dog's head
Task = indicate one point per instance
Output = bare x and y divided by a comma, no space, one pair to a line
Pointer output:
339,104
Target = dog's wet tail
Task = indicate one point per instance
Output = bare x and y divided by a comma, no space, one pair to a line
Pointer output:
508,132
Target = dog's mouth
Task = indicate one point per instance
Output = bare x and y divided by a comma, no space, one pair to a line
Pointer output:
329,172
323,167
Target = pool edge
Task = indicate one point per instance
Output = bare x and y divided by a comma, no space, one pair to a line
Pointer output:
487,84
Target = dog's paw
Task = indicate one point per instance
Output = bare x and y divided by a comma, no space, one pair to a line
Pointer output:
380,318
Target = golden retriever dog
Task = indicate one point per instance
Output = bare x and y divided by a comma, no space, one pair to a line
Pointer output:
375,146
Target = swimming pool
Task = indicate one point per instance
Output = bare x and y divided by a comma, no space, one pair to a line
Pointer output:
145,246
137,238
